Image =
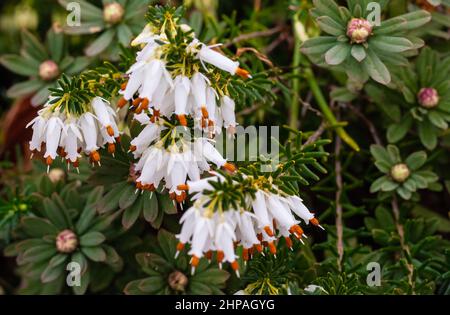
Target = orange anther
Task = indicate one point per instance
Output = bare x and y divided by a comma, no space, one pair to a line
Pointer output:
137,101
268,231
288,241
243,73
272,248
144,104
122,102
235,265
180,246
194,261
183,187
245,254
95,156
182,119
49,160
229,167
220,255
259,248
204,112
179,198
111,148
110,130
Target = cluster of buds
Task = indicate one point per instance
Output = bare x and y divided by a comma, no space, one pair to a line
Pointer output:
169,87
207,226
67,134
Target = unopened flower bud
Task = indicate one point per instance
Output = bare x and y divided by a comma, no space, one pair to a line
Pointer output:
56,174
358,30
400,172
428,97
113,13
66,241
48,70
178,281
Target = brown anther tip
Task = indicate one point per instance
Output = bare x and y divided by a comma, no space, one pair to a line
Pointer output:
123,86
172,196
235,265
132,148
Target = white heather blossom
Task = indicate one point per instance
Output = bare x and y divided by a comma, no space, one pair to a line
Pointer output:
66,134
145,36
227,109
52,136
38,124
269,217
208,55
182,88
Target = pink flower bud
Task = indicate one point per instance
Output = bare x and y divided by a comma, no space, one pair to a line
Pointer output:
428,97
358,30
48,70
113,13
66,241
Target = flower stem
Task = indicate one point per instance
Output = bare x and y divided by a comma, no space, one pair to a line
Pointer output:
296,78
300,36
326,111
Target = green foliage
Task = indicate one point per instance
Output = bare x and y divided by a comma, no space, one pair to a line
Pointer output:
32,58
371,210
41,260
402,176
170,275
383,44
113,26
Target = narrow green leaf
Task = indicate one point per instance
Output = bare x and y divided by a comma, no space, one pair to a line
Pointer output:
337,54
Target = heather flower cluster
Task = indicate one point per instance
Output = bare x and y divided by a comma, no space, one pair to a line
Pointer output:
170,99
67,134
